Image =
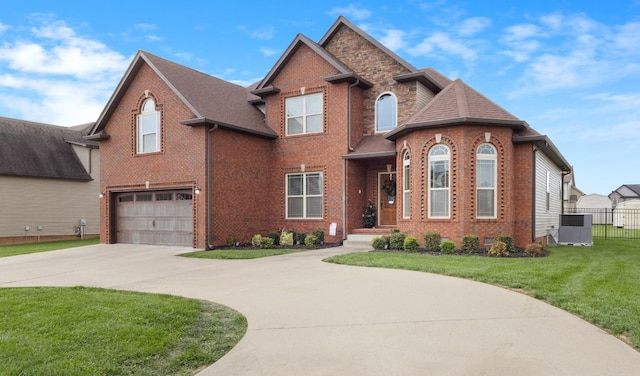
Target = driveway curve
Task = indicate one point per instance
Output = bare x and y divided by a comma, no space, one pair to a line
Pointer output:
307,317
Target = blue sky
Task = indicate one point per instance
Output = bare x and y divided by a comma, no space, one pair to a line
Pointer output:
570,69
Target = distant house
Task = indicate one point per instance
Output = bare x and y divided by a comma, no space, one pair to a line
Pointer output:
625,192
49,181
571,193
597,205
193,160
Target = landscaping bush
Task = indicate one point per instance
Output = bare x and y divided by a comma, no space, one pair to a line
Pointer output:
310,241
396,240
499,248
448,247
275,236
470,243
232,241
298,237
267,243
507,240
379,242
256,240
534,249
432,241
319,234
411,244
286,239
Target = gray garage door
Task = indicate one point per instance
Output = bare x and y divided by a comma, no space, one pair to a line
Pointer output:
161,218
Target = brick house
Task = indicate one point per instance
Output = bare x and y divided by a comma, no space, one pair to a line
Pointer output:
190,159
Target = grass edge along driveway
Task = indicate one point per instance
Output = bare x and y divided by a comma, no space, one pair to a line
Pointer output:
601,284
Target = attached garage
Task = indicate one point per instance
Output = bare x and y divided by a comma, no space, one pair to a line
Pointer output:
155,217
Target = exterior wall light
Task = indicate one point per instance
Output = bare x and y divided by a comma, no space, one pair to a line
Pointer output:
197,191
101,194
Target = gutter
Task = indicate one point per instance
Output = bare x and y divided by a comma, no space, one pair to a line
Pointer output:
349,146
533,198
344,162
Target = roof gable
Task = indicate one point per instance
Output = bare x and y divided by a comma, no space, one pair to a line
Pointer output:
210,99
40,150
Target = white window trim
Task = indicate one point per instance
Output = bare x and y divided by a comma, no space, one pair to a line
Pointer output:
304,195
406,185
140,135
395,120
448,189
304,115
494,158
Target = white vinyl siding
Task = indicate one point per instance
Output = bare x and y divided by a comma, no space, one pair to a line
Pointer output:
551,217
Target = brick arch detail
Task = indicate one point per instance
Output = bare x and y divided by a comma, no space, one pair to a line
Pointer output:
137,110
500,215
424,178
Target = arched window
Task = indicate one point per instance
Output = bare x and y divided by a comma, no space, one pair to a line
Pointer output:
386,112
486,181
148,128
439,161
406,187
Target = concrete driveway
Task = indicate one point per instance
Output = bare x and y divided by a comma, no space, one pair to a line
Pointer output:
307,317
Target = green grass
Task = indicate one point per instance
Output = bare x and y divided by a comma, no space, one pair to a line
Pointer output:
600,284
240,254
90,331
23,249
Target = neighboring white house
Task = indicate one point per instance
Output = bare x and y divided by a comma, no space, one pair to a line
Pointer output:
49,181
598,205
627,214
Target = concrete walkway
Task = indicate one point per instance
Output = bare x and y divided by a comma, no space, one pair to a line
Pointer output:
307,317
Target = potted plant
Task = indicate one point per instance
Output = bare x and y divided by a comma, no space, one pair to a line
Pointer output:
369,215
389,189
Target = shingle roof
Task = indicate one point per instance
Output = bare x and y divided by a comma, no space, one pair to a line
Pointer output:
373,146
211,99
41,150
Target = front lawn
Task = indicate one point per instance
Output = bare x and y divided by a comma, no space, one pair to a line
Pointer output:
90,331
241,254
23,249
600,284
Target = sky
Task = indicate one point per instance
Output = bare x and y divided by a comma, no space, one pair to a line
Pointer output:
570,69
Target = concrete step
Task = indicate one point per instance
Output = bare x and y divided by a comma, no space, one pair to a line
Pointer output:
359,240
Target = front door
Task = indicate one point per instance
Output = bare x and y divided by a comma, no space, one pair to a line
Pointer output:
386,203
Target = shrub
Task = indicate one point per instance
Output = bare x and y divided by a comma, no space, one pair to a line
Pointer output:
534,249
286,239
310,241
396,240
232,241
379,242
448,247
411,244
432,241
256,240
319,234
470,243
499,248
275,236
507,240
267,243
298,237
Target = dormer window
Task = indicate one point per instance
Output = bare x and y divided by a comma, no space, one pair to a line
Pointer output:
304,114
148,128
386,112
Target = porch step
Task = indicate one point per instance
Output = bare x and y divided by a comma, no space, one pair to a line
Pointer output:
362,237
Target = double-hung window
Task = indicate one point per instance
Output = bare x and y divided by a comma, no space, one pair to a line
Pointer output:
486,159
439,173
406,185
304,114
148,128
304,195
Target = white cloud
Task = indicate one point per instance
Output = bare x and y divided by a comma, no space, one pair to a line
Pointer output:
626,38
264,33
3,27
145,27
393,39
266,51
443,42
352,11
474,25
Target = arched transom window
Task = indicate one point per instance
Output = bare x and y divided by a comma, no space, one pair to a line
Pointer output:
148,128
439,181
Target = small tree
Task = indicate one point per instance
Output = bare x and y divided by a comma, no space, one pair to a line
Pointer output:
369,216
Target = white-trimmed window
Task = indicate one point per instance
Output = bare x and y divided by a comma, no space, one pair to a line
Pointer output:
304,195
148,128
486,181
386,112
304,114
406,185
439,176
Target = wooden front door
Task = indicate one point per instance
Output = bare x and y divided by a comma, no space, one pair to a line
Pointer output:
386,207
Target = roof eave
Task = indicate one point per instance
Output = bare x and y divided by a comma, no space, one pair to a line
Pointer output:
421,77
543,143
407,128
380,154
351,78
198,122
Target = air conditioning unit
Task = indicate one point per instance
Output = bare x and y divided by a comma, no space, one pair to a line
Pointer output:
575,229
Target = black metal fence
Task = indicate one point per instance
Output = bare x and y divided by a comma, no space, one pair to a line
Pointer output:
623,224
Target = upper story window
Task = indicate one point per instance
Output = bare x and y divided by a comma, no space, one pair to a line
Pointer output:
406,185
304,195
386,112
439,176
486,181
148,128
304,114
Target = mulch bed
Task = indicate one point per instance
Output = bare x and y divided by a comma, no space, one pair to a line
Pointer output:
517,253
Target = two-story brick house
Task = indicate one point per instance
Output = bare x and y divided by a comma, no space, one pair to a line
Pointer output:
191,159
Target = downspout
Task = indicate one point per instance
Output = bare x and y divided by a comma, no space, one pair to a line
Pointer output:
208,189
533,199
349,113
344,162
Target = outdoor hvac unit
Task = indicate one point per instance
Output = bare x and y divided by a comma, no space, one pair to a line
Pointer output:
575,229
